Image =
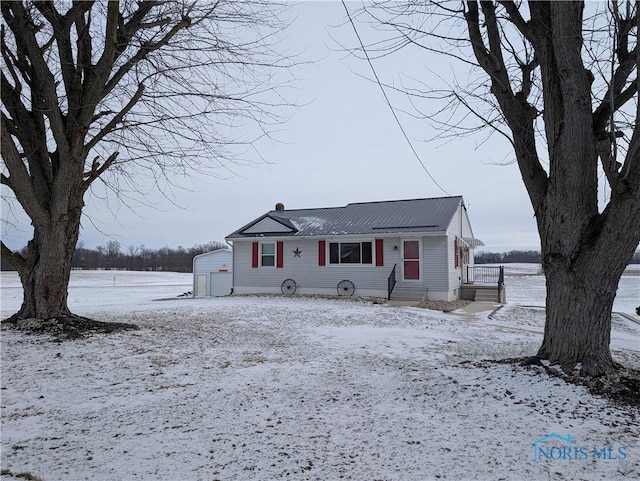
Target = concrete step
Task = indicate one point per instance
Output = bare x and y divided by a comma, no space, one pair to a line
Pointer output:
486,295
403,293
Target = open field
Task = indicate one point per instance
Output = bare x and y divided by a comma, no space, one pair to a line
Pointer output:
264,388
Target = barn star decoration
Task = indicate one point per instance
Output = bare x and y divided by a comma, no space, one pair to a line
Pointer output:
297,252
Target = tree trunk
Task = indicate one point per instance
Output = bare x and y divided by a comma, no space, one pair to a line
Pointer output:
578,320
45,274
581,289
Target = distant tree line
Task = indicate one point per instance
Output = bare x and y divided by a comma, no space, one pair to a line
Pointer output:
508,257
522,257
140,258
135,258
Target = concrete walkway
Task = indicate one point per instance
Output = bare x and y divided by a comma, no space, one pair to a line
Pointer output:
476,307
630,317
472,308
402,303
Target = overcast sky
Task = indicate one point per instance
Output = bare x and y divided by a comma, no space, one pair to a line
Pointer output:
342,145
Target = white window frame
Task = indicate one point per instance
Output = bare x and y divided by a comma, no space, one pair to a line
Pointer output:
262,255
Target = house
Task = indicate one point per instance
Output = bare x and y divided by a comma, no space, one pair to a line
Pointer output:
212,273
540,449
417,249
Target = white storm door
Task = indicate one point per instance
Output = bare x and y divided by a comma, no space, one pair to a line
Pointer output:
411,262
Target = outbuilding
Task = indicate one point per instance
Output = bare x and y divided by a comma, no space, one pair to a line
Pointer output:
212,273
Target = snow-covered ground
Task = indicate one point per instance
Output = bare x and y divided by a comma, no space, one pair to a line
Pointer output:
264,388
525,285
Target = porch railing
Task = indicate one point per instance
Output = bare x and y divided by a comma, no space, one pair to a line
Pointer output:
391,282
486,275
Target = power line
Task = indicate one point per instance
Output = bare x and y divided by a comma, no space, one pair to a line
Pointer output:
386,98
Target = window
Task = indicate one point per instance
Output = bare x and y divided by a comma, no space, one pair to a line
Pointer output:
268,255
350,253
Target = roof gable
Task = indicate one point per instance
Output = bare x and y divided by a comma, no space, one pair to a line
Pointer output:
270,224
373,218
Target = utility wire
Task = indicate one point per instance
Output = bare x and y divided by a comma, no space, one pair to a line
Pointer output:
386,98
614,48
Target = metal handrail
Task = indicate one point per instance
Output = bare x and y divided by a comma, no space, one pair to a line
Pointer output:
391,282
484,275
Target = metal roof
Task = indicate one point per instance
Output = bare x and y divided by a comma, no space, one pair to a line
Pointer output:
387,217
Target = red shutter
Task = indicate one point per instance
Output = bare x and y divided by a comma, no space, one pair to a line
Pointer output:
456,253
379,252
254,255
280,255
322,252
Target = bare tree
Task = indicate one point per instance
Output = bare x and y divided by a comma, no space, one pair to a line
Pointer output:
561,85
112,249
130,94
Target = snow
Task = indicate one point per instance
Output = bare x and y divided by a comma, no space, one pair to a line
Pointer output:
526,285
306,222
265,388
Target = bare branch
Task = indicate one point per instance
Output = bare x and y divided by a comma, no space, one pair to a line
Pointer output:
97,170
516,19
14,258
116,119
43,83
19,180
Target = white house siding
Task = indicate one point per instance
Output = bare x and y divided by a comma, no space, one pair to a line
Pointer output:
369,280
433,280
454,277
466,225
461,227
468,233
208,263
435,268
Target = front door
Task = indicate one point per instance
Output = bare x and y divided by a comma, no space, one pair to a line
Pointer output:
411,260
